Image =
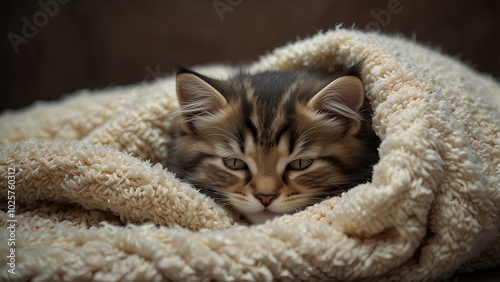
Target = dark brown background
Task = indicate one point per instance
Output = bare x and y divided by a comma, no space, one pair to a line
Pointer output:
96,44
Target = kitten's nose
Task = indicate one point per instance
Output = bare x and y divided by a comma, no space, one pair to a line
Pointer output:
265,198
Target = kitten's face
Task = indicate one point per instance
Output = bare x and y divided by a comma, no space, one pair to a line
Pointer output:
271,143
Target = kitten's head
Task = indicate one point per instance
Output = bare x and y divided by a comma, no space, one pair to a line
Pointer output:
273,142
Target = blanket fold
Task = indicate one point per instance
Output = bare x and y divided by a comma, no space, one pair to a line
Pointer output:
94,200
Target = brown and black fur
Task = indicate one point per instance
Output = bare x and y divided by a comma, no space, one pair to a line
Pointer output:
272,142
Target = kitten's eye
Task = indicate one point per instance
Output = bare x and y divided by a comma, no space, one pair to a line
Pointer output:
234,163
300,164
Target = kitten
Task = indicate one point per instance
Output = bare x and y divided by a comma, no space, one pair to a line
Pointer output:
273,142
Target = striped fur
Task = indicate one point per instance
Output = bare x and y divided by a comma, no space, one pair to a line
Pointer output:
273,142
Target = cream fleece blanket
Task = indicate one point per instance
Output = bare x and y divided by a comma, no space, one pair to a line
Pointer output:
94,200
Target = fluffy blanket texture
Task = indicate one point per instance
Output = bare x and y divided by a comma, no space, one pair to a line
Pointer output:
94,199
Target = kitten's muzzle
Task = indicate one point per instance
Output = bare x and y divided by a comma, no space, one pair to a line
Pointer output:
265,198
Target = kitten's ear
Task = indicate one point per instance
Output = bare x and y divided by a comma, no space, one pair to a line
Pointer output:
197,97
342,98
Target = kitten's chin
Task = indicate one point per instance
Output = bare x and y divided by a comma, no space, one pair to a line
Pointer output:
260,217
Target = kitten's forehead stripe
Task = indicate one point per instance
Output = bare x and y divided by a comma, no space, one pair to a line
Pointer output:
246,109
270,105
241,141
283,115
269,86
284,128
252,128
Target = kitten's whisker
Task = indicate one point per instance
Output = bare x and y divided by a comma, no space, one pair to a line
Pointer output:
222,135
231,135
